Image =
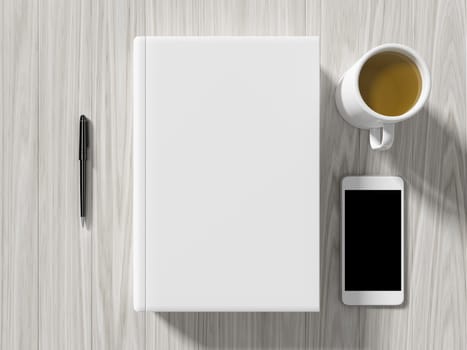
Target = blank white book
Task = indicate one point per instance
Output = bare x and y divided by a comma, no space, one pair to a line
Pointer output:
226,174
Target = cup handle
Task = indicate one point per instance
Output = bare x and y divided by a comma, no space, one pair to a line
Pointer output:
381,138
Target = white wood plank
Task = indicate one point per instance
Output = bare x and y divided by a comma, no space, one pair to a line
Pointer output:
313,17
225,17
437,284
2,109
64,246
19,271
115,323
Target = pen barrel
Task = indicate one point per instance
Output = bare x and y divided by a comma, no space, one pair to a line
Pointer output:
82,187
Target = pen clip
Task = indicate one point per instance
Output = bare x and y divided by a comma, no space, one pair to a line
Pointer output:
86,131
83,138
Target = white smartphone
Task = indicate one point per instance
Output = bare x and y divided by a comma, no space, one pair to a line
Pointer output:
372,240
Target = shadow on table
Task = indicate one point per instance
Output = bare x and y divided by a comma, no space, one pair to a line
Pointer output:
436,170
429,151
255,330
425,147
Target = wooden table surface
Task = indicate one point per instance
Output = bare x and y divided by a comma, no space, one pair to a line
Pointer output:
68,287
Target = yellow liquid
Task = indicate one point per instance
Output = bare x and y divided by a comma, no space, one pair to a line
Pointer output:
390,83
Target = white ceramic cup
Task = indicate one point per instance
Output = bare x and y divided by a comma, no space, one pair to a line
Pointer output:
355,111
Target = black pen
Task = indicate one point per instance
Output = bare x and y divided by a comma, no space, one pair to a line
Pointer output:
83,156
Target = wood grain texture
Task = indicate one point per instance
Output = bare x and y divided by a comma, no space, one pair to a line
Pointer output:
19,271
115,324
438,176
64,286
64,246
2,173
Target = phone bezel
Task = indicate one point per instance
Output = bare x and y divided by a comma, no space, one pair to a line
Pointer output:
371,297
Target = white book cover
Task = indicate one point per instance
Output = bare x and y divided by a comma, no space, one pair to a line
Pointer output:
226,174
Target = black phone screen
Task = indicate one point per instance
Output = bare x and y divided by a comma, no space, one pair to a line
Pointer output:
373,240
